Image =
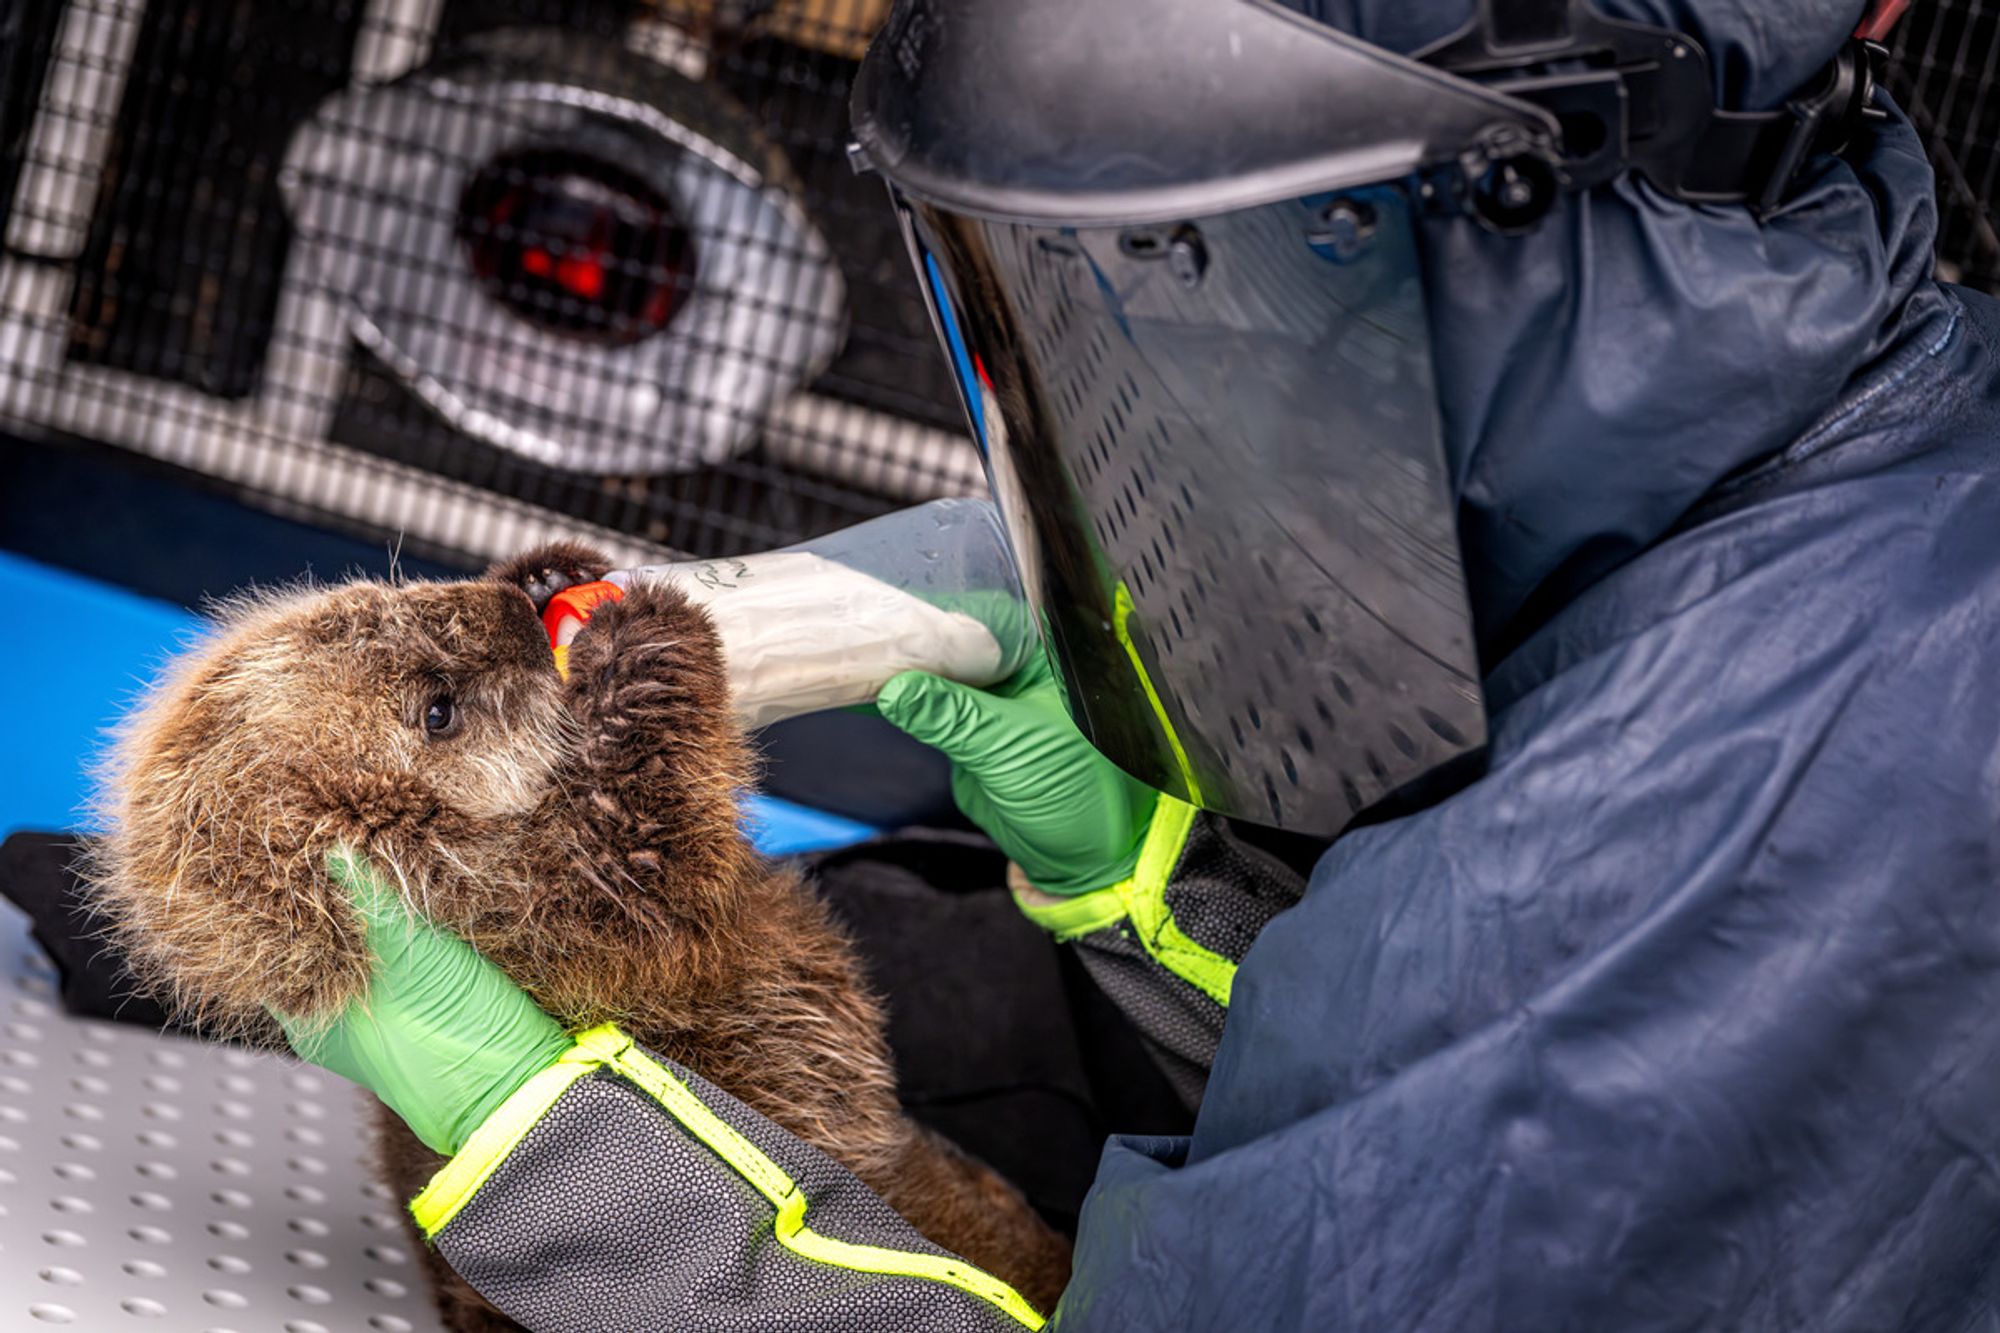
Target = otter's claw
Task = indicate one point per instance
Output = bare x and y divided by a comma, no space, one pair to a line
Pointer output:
548,570
545,584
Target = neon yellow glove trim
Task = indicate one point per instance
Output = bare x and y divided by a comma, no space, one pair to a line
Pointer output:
1143,900
1145,897
601,1047
497,1137
771,1181
1071,916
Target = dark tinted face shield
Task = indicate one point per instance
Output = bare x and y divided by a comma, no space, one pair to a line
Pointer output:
1196,359
1216,446
1169,246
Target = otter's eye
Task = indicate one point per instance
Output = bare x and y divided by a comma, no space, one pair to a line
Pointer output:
441,716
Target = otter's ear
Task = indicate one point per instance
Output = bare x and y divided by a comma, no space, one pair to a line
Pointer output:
219,926
212,871
547,570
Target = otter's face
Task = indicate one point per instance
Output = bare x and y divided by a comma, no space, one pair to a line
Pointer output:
400,721
375,706
457,683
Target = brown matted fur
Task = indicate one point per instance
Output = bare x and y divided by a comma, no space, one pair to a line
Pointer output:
582,834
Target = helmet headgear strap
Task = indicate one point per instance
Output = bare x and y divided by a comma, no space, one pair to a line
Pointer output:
1630,96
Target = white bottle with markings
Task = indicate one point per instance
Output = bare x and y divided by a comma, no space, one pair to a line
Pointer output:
826,623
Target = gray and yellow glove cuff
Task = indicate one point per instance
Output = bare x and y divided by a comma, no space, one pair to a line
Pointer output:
1164,944
1139,904
612,1159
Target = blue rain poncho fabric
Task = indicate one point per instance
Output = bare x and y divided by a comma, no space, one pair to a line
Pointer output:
1687,1014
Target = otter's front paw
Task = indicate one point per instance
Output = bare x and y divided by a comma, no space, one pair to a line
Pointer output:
654,635
547,570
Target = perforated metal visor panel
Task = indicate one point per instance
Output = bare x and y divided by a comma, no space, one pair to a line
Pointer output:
154,1183
1218,452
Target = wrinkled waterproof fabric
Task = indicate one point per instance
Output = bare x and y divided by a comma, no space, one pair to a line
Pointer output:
1687,1014
1604,372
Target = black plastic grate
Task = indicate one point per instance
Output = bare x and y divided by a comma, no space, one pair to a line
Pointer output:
159,291
1946,73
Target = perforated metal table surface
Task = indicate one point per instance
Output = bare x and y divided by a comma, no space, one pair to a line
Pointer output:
154,1184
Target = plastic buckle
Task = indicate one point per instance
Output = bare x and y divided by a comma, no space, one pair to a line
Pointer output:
1627,96
1827,117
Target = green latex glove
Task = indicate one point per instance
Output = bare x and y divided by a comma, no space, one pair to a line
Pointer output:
441,1036
1070,818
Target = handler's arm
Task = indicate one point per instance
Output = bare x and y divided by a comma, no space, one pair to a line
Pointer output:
593,1185
1159,900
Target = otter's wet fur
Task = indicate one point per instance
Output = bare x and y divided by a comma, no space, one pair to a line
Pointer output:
582,835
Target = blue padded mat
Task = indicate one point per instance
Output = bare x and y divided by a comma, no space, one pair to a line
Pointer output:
74,652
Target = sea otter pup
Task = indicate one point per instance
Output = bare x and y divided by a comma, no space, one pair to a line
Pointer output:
582,834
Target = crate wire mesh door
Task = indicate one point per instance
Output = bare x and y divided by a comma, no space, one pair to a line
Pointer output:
480,271
1946,68
484,271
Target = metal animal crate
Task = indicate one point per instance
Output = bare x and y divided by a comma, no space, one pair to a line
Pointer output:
473,270
482,271
1946,73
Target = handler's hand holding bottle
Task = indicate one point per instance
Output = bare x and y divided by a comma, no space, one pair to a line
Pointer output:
1070,818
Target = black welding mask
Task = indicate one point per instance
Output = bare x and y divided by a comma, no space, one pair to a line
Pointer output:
1170,249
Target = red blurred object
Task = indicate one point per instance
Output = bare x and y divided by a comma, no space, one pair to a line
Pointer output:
583,276
577,245
1880,18
577,603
